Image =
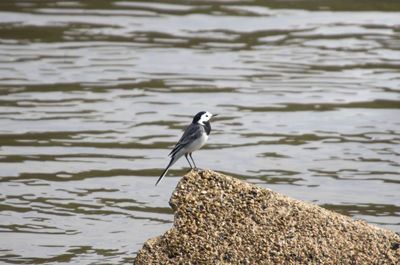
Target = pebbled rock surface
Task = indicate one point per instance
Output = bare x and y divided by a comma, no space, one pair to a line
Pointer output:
223,220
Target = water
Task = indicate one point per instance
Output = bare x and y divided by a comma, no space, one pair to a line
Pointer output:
94,95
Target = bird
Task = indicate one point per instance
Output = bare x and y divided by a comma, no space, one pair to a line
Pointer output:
194,137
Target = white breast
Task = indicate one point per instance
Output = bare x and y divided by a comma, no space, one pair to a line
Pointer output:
197,144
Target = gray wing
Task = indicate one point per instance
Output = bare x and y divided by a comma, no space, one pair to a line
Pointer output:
192,132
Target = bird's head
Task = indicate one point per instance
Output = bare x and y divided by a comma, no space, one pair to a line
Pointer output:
203,117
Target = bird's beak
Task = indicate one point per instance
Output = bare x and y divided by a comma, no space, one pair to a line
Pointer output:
215,115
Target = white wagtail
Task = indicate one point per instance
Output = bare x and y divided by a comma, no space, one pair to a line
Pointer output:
193,138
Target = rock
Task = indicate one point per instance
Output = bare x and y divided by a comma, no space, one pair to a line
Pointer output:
223,220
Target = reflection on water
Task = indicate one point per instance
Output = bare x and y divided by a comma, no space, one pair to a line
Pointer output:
93,95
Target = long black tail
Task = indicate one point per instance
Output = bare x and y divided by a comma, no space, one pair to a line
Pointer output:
166,170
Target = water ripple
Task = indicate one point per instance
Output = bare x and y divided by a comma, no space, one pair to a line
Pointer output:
94,96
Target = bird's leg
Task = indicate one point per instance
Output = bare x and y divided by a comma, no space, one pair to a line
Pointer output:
195,167
186,156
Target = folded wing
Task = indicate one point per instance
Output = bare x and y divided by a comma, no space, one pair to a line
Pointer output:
193,132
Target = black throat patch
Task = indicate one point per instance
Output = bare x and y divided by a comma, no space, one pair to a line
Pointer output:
207,127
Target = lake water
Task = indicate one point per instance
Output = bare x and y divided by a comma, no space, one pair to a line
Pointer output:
94,94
